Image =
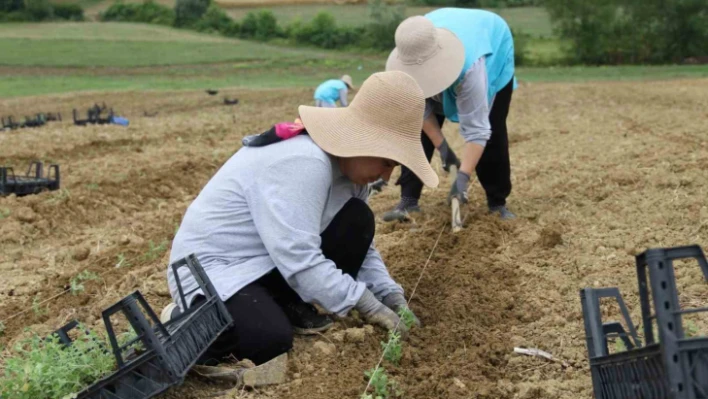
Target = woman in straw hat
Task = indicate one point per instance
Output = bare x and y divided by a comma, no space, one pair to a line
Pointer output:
285,224
464,62
329,92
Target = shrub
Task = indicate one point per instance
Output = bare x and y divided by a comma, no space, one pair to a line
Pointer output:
8,6
188,12
261,25
381,29
69,12
38,10
630,32
147,12
215,20
521,41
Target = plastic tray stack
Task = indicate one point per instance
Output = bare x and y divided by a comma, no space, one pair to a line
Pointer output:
672,365
32,183
167,351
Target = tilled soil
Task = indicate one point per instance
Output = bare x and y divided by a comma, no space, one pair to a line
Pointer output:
601,172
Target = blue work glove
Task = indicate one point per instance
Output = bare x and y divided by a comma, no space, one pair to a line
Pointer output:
459,189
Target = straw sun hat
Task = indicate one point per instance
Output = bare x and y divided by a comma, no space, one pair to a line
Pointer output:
348,80
383,120
434,57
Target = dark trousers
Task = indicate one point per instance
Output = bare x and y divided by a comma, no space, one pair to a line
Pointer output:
261,329
493,169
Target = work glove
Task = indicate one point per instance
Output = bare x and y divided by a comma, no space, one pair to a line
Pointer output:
447,156
396,302
378,185
459,189
375,312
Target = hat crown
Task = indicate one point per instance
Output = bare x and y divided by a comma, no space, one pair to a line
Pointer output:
416,40
391,99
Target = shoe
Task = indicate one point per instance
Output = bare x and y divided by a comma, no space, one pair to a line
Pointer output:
305,318
400,214
245,373
504,213
170,312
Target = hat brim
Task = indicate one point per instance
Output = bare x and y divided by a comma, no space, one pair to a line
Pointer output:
338,131
439,71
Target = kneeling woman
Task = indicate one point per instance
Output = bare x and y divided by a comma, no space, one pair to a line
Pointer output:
285,224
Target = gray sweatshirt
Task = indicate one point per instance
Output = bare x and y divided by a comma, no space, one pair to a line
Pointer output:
266,208
472,105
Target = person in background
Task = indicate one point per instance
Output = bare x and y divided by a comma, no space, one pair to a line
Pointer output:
285,224
329,92
463,59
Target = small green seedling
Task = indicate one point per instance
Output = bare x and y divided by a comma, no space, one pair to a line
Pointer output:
383,387
691,329
37,307
46,369
92,186
77,282
392,348
619,346
407,317
4,212
155,251
122,261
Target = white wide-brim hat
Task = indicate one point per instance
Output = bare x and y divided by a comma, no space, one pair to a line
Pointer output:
434,57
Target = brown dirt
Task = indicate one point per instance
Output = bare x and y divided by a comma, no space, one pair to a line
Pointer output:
601,171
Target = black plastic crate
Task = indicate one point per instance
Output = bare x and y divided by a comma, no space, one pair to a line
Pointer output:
672,365
31,183
166,351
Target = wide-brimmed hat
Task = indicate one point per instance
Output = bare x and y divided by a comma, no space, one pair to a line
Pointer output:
348,80
384,120
434,57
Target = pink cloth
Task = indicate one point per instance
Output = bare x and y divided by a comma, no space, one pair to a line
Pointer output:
286,130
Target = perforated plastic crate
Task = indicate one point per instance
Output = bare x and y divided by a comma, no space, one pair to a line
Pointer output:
167,351
673,367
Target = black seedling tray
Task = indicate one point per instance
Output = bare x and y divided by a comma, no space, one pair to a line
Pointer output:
673,367
32,183
166,351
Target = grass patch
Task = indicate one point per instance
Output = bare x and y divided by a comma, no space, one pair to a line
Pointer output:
611,73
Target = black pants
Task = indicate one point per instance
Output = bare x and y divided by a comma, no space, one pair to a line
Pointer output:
493,169
261,329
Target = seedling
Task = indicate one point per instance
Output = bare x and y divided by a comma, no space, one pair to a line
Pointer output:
45,368
37,307
77,282
383,387
155,251
691,329
92,186
407,317
122,262
392,348
4,212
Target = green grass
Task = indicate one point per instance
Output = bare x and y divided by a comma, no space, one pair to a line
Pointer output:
57,58
126,45
531,20
612,73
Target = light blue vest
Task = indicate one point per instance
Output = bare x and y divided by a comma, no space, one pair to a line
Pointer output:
329,90
483,33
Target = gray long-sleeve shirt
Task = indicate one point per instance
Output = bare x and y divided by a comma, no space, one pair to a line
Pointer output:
472,105
266,208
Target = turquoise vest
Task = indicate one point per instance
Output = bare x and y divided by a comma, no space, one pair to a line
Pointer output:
329,90
484,34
